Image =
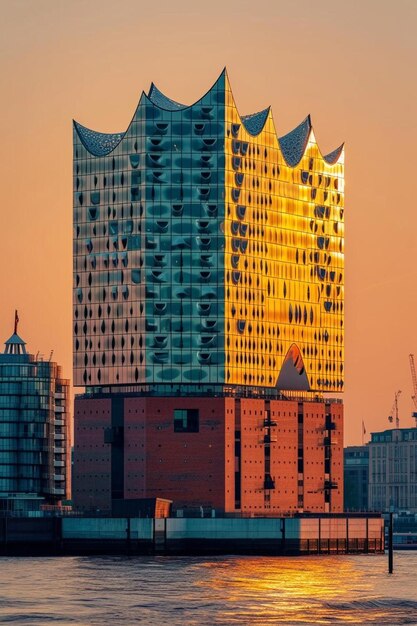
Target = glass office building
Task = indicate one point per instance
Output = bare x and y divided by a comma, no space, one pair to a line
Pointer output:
207,250
209,261
34,430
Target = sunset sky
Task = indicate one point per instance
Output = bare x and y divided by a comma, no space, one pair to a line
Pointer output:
351,65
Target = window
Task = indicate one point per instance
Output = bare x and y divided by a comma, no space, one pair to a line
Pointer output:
186,421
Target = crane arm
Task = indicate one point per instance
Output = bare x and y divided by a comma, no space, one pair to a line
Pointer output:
414,379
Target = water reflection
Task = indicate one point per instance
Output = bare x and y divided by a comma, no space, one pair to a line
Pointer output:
221,591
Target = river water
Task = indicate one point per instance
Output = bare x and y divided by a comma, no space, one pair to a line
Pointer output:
222,591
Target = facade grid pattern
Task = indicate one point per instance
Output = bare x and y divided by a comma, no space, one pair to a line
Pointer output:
207,250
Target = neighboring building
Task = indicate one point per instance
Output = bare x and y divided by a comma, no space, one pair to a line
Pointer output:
393,470
34,430
208,310
356,474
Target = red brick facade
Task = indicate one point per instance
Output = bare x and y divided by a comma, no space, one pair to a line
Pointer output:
249,455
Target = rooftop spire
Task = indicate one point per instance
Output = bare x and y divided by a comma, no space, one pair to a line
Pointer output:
15,344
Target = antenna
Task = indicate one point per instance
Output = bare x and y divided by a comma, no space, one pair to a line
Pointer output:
50,356
16,321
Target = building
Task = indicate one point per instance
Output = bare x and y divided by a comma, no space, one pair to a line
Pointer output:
356,475
208,310
393,470
34,430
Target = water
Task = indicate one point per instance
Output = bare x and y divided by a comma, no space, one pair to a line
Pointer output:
220,591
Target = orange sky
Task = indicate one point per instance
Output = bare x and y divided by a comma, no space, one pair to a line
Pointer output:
351,65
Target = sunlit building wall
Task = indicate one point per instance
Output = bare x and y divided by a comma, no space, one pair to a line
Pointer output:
208,261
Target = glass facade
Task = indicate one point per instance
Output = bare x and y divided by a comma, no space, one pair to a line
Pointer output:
34,429
207,251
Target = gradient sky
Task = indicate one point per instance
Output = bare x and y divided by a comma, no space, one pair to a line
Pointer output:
351,65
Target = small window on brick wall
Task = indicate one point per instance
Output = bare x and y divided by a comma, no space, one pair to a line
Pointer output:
186,421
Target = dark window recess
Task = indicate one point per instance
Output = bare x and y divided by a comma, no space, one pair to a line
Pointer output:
186,420
117,447
238,476
113,435
269,483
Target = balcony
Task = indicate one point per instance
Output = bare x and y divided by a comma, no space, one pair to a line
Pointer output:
268,439
327,441
330,484
268,423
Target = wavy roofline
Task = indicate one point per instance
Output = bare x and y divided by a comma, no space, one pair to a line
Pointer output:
331,158
178,105
77,126
183,107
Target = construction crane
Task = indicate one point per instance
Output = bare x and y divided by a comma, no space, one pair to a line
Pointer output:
414,379
394,410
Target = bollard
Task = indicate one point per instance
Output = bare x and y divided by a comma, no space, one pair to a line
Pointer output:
390,545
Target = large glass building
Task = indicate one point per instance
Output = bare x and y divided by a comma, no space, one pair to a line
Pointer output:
208,261
34,430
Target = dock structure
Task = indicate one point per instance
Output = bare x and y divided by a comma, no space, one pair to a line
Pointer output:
318,534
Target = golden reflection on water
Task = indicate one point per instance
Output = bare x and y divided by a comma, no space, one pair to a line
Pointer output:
296,577
293,590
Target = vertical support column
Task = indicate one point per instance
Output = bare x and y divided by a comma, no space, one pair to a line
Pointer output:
128,536
347,535
367,536
390,544
319,538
